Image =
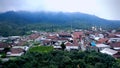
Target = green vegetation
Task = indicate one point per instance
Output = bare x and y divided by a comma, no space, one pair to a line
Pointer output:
41,49
63,46
21,23
36,43
63,59
0,61
3,56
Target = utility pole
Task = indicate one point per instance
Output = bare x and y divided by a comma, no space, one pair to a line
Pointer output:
71,27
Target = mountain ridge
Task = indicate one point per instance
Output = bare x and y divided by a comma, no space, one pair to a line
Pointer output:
22,19
28,15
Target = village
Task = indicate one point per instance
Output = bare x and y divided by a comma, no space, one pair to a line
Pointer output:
95,39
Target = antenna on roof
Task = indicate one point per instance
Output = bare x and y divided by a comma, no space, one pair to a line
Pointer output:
71,27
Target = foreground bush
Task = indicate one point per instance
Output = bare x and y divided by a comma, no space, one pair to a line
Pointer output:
63,59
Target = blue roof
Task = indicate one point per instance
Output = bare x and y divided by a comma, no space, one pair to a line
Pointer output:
93,43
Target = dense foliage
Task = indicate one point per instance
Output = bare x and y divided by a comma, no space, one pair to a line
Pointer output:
41,49
63,59
18,23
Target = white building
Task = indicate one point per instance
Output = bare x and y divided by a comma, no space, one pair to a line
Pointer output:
102,46
108,51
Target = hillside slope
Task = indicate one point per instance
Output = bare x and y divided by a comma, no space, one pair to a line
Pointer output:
22,21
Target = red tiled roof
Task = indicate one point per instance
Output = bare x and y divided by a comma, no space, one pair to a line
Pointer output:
21,43
68,44
34,36
46,41
116,44
117,55
4,45
68,34
77,35
16,50
52,37
117,33
75,43
62,39
88,32
113,36
102,40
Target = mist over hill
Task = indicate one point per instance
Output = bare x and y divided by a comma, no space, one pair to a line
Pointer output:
16,23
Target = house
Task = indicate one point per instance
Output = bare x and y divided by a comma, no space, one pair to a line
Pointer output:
114,39
102,46
111,35
3,39
20,43
115,45
14,37
102,41
101,35
57,47
92,36
15,52
64,35
96,38
3,46
62,39
117,35
22,47
38,39
71,46
77,35
52,37
34,36
46,42
117,55
109,51
93,43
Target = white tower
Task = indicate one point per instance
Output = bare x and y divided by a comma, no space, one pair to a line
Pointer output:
100,29
93,28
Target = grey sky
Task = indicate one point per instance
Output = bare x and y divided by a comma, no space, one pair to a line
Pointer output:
108,9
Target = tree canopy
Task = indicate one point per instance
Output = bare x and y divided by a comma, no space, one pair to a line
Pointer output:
63,59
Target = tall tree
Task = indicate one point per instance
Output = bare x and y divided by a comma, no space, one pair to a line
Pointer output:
63,46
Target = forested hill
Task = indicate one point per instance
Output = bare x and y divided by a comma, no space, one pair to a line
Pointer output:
21,21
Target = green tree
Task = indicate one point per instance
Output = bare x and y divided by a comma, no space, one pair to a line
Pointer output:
63,59
99,65
63,46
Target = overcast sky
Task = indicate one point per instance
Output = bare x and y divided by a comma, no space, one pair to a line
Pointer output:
108,9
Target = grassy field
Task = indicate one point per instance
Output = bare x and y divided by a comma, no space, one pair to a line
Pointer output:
41,49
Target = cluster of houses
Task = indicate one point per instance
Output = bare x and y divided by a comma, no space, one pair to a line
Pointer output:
71,41
100,41
12,46
105,42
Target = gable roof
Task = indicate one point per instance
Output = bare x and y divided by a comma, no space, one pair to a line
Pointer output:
117,55
4,45
68,44
108,51
116,44
52,37
77,35
20,43
102,40
16,50
102,45
74,43
65,35
34,36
